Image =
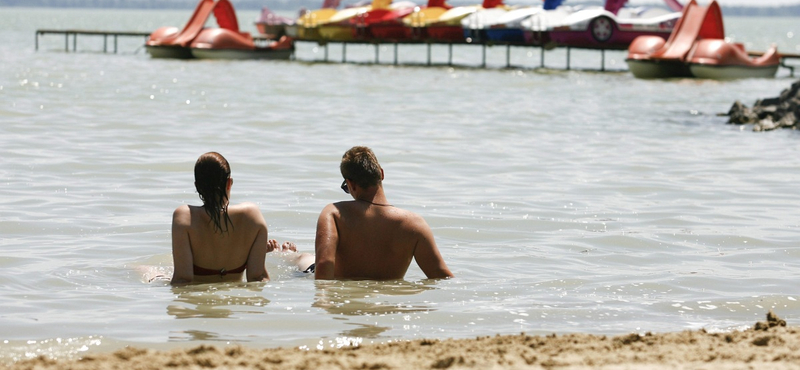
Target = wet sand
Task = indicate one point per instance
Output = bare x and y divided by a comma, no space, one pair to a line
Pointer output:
768,345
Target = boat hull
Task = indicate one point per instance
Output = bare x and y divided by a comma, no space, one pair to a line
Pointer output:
649,68
293,31
240,54
597,28
336,32
309,34
416,33
618,40
506,35
388,31
718,72
446,33
477,35
169,51
272,31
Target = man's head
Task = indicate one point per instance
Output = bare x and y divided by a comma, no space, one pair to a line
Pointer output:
360,166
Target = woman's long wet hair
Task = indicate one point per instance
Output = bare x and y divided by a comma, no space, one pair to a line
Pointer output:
211,174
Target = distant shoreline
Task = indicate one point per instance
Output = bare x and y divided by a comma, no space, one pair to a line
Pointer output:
294,5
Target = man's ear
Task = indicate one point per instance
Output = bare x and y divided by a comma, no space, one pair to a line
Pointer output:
381,173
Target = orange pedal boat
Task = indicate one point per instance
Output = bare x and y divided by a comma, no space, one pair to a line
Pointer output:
224,42
697,48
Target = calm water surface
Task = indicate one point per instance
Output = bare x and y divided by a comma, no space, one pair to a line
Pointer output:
564,201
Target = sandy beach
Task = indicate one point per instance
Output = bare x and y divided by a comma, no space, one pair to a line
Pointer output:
768,344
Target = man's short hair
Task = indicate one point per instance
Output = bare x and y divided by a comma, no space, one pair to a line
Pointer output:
360,165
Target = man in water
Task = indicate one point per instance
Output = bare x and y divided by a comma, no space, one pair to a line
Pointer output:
368,238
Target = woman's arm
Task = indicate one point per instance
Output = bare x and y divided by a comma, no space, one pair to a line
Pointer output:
181,247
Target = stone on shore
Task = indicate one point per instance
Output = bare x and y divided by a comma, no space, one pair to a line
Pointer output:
771,113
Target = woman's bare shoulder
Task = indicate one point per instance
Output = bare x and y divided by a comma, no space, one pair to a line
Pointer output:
248,210
244,207
182,211
182,216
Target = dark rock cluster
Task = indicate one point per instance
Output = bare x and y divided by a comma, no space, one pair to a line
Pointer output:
772,321
771,113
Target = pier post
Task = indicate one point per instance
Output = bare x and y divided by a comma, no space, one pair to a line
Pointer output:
508,56
377,56
75,42
603,60
790,68
395,53
569,49
344,52
37,41
483,59
105,43
429,53
66,41
115,44
450,54
541,56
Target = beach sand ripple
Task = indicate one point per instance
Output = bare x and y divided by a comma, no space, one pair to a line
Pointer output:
769,344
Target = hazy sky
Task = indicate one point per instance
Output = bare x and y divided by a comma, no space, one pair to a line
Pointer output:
701,2
725,2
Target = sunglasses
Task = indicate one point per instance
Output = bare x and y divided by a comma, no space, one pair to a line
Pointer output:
344,187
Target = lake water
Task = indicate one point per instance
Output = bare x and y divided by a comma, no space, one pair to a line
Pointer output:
564,201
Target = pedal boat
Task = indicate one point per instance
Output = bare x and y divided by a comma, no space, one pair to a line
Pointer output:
697,48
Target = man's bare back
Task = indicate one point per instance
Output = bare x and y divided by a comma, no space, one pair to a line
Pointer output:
367,238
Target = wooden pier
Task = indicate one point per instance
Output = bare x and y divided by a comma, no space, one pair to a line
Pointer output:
106,34
483,45
115,35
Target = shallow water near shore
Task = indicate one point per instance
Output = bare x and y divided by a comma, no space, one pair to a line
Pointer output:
564,201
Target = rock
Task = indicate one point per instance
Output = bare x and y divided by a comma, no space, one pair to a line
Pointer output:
741,114
767,102
790,92
766,124
789,120
770,113
772,321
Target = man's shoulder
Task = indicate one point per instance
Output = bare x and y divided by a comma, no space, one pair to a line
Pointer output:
412,219
339,207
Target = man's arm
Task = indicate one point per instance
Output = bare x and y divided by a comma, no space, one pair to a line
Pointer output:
256,271
181,247
427,254
327,240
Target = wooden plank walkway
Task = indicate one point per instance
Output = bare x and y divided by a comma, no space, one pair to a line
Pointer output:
144,35
483,45
75,33
105,34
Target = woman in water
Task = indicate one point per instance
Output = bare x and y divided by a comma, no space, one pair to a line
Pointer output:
217,241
